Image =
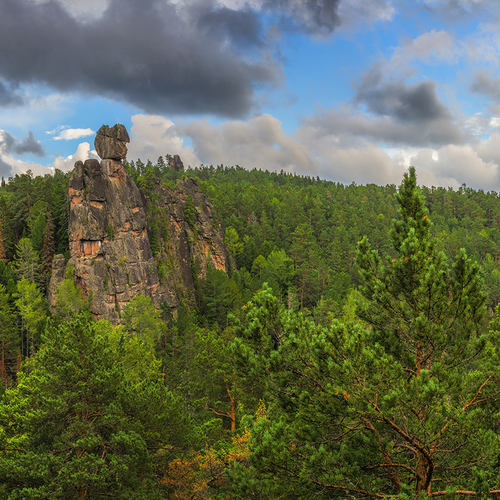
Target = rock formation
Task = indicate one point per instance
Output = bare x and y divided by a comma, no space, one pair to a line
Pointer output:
191,235
125,242
176,163
110,142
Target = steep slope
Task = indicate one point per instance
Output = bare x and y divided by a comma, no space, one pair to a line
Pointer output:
125,243
187,234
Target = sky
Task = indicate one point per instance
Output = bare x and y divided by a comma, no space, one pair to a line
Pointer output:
344,90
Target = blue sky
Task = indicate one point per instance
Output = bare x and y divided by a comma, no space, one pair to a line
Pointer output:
347,90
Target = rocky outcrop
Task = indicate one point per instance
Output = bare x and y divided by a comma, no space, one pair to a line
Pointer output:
176,163
110,251
125,242
190,236
110,142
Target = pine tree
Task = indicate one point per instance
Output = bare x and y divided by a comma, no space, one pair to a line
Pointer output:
9,340
402,405
32,308
27,262
48,248
76,427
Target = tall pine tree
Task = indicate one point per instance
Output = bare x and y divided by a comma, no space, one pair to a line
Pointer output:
403,404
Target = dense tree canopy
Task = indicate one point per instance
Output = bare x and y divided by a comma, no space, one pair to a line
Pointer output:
317,367
398,404
76,427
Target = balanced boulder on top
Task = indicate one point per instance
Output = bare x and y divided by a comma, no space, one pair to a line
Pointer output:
110,142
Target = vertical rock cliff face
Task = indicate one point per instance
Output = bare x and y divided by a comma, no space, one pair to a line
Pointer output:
110,251
189,235
110,228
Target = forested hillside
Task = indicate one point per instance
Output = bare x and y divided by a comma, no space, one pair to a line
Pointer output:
317,367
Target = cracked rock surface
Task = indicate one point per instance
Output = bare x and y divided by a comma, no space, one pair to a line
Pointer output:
109,236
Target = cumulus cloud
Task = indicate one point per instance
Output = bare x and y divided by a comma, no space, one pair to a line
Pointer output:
455,165
388,110
459,10
406,103
487,84
257,143
9,145
153,136
356,129
82,153
5,168
354,13
73,133
430,47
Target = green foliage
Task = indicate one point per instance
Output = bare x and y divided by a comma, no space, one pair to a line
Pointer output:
27,260
142,320
32,308
9,339
37,232
70,300
217,293
111,232
357,411
75,426
232,241
190,212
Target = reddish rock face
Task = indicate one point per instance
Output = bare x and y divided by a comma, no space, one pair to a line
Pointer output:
190,245
111,255
176,163
110,251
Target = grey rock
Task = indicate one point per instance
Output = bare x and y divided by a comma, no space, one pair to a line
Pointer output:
110,142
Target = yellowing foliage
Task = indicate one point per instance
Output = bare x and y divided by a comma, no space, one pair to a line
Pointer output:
195,475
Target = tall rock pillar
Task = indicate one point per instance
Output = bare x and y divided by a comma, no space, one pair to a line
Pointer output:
110,252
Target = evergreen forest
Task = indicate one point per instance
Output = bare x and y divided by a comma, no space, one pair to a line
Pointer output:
351,352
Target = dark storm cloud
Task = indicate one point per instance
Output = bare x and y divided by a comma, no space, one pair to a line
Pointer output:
9,96
29,145
139,51
357,129
243,27
312,16
406,103
389,112
9,144
487,84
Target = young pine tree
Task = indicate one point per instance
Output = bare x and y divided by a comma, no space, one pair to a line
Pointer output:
404,405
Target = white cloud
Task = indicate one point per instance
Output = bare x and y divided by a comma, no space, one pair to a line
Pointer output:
431,47
355,14
153,136
456,165
70,134
257,143
19,167
82,153
316,150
